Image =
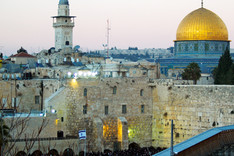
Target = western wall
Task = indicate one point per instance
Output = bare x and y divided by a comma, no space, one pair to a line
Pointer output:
193,108
118,111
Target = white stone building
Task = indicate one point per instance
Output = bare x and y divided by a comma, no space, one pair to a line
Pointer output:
63,25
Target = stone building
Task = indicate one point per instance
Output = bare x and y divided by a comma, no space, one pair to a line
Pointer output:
23,58
63,25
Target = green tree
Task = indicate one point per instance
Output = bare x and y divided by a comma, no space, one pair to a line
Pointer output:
230,75
192,72
4,134
222,74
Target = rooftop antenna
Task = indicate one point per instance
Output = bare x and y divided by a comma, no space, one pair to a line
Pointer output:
202,3
108,36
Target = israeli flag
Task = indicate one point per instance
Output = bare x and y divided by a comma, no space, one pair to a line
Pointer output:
82,134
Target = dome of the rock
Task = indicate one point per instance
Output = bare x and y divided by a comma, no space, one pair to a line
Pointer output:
202,24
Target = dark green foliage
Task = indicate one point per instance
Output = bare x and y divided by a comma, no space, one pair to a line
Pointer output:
192,72
4,129
22,50
224,73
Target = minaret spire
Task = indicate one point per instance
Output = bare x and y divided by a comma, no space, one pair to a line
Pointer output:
202,3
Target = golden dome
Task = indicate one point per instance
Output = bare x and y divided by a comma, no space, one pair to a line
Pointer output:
202,24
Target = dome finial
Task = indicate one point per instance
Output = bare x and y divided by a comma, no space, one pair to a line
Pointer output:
202,3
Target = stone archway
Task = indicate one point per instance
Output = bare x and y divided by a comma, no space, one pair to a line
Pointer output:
37,153
21,153
53,152
68,152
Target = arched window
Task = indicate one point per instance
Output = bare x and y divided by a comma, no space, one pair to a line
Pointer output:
141,92
85,92
114,90
67,43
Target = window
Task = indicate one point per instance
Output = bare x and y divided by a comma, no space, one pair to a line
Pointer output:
142,92
85,92
85,109
196,46
4,102
216,47
37,99
124,109
106,110
223,47
142,108
186,47
207,47
114,90
67,43
179,48
62,119
14,102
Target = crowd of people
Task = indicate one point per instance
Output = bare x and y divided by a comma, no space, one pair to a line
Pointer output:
137,151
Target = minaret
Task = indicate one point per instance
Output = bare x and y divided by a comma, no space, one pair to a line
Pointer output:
63,25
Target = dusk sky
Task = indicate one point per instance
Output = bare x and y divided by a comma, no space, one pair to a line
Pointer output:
140,23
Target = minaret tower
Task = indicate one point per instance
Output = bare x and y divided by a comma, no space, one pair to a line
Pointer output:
63,25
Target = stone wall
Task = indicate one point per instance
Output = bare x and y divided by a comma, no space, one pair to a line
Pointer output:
118,111
24,93
100,93
194,110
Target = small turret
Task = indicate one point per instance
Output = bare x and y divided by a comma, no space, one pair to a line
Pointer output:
63,2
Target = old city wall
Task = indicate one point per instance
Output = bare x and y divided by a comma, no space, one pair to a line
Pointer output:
31,126
116,127
24,93
194,110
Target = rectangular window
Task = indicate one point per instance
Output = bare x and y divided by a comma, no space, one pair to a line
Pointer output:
37,99
114,90
124,109
85,109
207,47
216,47
106,110
13,102
142,108
196,47
4,103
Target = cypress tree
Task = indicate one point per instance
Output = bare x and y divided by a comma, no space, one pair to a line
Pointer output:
222,72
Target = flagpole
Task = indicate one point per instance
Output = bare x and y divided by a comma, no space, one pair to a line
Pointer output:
78,145
85,146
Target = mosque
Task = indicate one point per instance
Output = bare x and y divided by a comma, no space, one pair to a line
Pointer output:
201,37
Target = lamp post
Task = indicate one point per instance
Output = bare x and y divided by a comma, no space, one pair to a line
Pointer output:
172,152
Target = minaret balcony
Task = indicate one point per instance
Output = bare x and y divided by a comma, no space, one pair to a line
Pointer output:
63,24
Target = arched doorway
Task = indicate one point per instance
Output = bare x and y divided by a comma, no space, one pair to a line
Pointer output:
53,152
134,146
37,153
68,152
21,153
